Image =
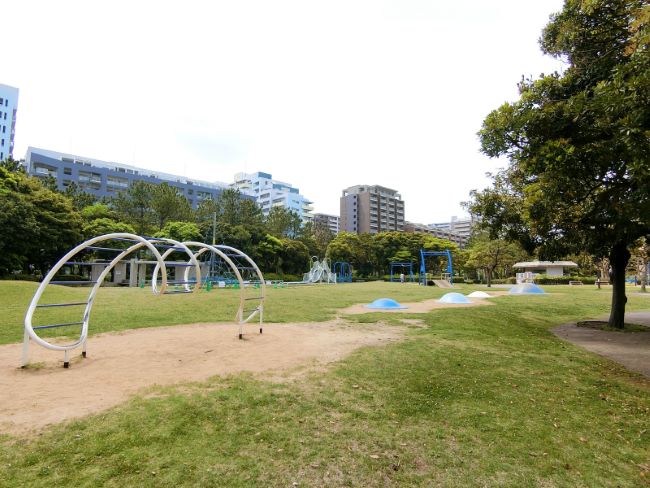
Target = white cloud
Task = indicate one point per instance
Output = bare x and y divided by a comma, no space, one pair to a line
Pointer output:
323,95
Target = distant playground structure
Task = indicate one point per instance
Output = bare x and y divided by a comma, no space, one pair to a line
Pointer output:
343,272
320,272
401,267
446,279
223,263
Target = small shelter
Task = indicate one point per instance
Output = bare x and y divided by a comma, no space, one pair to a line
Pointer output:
533,268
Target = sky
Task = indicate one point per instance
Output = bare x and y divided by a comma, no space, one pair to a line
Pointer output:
321,94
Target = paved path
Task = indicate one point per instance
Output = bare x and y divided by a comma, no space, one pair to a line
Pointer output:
631,349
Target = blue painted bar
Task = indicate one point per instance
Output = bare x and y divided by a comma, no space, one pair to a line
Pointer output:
95,248
57,325
154,243
87,263
47,305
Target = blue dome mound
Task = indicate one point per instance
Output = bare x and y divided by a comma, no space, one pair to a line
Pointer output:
385,304
525,289
454,298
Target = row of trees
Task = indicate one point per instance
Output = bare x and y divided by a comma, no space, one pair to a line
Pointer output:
44,223
41,224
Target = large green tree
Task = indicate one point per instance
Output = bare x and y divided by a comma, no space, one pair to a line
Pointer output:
38,225
134,206
491,255
281,222
578,143
169,204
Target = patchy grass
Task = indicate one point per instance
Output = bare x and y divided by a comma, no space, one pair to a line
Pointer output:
481,396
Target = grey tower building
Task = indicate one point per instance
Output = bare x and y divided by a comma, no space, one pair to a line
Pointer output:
371,209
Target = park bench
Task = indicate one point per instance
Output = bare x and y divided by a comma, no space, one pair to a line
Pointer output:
571,283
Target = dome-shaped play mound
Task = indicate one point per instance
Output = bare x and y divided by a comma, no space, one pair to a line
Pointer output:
385,304
526,289
454,298
479,294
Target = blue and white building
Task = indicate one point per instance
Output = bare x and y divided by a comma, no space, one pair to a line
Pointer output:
273,193
8,109
107,179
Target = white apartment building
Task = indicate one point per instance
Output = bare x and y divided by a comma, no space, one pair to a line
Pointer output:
332,222
273,193
8,109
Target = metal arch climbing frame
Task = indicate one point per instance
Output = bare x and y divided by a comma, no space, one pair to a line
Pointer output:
423,269
242,299
193,262
30,334
262,297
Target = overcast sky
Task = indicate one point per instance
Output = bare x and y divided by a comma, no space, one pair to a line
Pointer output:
322,95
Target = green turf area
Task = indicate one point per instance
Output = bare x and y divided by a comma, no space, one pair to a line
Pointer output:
481,396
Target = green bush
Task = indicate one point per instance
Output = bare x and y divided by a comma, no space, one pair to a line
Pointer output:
563,280
69,277
21,277
282,277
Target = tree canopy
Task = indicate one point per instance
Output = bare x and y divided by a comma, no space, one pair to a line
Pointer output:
578,143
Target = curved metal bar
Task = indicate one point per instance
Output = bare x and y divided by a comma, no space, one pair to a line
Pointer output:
192,260
29,330
207,247
262,283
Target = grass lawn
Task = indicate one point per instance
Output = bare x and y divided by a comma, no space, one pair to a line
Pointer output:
482,396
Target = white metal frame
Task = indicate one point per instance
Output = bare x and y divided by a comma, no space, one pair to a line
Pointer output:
30,334
160,269
259,309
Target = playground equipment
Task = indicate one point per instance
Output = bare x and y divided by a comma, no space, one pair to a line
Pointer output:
401,267
526,289
123,245
479,294
319,272
447,279
385,304
343,272
457,298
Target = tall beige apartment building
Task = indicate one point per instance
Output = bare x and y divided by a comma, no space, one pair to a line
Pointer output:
371,209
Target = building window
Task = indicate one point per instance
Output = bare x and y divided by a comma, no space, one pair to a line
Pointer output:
67,171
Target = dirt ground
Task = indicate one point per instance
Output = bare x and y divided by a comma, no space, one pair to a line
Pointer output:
121,364
631,349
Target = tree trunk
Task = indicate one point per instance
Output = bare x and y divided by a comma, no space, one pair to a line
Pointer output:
618,259
488,277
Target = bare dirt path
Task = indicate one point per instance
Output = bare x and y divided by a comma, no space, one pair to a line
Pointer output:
121,364
631,349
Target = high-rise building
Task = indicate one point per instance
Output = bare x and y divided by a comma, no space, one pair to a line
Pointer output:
330,221
8,109
439,233
273,193
371,209
461,227
105,179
